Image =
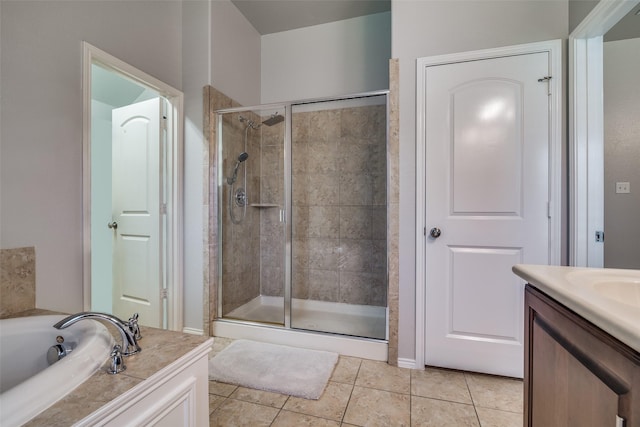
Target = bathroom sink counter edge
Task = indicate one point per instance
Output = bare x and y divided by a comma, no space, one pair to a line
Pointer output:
576,289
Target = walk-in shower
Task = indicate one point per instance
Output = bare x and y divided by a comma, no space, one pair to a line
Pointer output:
302,216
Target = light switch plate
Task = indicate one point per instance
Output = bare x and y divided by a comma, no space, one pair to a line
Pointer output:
623,188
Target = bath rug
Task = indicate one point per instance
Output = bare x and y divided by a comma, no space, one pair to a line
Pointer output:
270,367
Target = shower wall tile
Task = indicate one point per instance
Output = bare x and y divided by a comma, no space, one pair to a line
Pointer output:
339,172
362,288
17,280
299,157
323,189
300,283
300,220
324,125
322,156
356,189
355,222
323,285
323,221
300,253
323,254
379,222
355,255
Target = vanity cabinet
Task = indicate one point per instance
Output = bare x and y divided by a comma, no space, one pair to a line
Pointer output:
575,373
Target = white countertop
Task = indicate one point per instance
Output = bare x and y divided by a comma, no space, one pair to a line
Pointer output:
581,290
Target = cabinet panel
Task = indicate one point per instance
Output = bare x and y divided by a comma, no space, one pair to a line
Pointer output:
564,392
575,373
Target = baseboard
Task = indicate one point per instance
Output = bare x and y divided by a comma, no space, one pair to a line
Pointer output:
408,363
192,331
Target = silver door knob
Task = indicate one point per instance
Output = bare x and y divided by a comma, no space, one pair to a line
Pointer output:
113,225
435,232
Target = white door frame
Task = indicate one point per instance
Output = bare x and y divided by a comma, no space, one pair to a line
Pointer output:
586,131
175,147
554,48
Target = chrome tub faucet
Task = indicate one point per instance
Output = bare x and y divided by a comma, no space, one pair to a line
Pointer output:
129,331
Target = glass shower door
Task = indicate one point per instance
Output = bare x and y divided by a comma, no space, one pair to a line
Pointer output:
339,216
251,203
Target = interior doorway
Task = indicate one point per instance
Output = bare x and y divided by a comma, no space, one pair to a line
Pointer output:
132,197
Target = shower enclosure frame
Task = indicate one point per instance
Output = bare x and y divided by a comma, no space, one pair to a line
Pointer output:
286,334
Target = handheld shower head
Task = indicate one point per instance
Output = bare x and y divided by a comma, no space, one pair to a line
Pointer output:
241,158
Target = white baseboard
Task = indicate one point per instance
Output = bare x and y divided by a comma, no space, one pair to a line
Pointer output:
408,363
193,331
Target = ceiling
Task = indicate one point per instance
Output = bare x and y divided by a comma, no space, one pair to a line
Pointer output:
273,16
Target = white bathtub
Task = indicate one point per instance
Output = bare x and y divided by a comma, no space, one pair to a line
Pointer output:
28,385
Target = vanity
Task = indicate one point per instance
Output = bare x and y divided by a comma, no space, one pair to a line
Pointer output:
582,346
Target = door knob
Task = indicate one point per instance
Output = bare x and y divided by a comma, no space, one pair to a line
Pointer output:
113,225
435,232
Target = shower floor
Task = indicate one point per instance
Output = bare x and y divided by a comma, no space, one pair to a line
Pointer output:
339,318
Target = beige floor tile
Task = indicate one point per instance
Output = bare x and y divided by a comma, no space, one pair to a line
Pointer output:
331,404
215,402
439,413
495,418
293,419
487,391
440,384
372,408
382,376
235,413
221,389
266,398
346,370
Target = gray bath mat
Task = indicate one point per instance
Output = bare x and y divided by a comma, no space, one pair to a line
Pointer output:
278,368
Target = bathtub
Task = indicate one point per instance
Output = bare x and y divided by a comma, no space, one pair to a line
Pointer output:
28,385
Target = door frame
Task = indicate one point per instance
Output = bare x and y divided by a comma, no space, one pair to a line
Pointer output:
554,48
586,131
173,241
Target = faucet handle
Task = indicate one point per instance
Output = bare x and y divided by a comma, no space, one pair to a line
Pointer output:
117,362
134,327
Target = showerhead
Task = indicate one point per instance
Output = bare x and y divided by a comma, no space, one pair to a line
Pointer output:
274,119
241,158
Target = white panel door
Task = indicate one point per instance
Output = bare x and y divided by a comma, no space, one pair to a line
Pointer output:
137,279
487,191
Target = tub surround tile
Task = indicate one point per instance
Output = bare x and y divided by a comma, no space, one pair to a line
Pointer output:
17,280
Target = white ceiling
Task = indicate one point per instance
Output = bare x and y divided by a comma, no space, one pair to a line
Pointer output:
273,16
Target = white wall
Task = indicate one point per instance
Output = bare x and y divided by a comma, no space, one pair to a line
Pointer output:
427,28
349,56
621,152
196,56
41,130
235,54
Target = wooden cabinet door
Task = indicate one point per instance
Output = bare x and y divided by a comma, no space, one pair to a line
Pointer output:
564,391
575,373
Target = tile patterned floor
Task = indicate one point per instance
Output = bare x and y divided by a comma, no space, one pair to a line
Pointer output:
367,393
